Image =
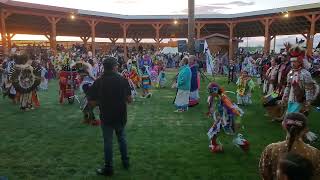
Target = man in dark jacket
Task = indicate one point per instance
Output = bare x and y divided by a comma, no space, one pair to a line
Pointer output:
111,92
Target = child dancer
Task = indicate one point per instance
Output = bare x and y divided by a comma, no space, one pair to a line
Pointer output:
245,86
146,83
225,115
134,76
44,78
161,81
125,74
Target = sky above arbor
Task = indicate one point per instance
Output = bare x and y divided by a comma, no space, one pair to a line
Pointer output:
166,7
172,7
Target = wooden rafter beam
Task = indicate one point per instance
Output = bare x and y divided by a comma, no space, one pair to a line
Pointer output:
229,24
125,26
48,37
266,21
272,37
10,35
84,38
157,26
305,36
183,21
169,22
5,13
92,22
317,17
113,40
53,20
200,25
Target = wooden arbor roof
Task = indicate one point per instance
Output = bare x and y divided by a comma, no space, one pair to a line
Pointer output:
28,18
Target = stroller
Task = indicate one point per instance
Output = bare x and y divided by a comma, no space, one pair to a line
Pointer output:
68,82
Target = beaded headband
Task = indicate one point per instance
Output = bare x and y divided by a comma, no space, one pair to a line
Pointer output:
289,122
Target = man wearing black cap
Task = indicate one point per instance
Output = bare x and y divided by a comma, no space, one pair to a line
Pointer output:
111,92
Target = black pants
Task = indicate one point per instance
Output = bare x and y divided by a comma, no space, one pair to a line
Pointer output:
107,132
231,74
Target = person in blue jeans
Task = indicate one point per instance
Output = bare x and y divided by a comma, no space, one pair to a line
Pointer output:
111,92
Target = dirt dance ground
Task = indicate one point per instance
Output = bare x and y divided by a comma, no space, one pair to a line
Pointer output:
51,142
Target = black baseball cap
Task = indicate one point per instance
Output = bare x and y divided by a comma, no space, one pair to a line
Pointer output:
109,63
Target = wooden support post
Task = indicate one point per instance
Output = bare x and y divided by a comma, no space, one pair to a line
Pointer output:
199,26
312,19
125,29
274,43
9,38
53,36
92,24
4,15
267,23
191,27
157,27
231,37
308,38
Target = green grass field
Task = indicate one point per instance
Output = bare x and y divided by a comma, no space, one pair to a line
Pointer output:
51,143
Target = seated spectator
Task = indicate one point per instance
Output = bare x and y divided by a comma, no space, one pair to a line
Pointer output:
295,125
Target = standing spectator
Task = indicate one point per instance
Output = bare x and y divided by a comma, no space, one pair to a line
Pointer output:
195,82
284,69
296,126
231,72
270,82
183,86
111,92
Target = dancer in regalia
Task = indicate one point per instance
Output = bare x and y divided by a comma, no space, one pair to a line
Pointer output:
247,64
44,78
245,86
226,115
134,76
146,83
86,72
26,77
276,81
7,87
195,79
161,81
183,85
146,62
125,74
301,89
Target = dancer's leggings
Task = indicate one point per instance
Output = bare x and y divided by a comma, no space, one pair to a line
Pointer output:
88,111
